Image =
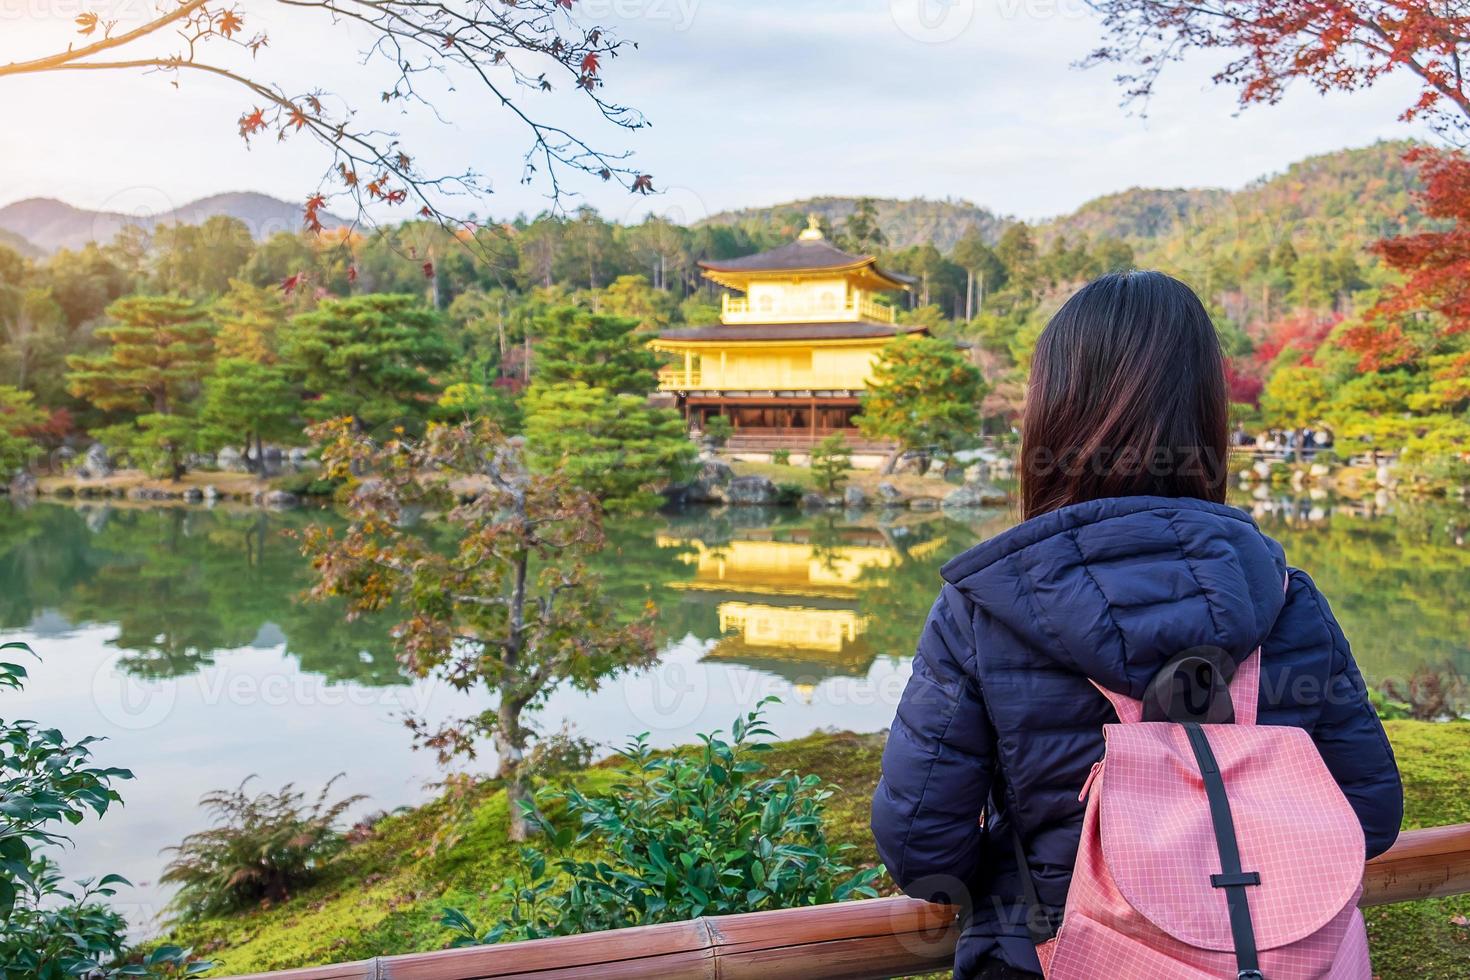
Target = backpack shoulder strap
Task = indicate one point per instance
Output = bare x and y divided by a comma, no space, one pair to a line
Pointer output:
1245,688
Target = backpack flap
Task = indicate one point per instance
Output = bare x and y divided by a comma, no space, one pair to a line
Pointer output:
1293,825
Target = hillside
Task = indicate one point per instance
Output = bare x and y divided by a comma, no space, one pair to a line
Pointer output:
917,221
48,224
1347,198
14,242
1137,214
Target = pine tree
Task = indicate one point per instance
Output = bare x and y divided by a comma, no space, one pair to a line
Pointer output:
249,321
831,458
923,395
861,230
369,358
615,446
574,346
159,352
247,403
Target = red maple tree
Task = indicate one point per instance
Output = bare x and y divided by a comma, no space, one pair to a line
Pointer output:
1435,265
1341,46
1329,44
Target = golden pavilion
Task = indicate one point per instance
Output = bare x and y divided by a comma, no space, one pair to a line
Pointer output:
790,357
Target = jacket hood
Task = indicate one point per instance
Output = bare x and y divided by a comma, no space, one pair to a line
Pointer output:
1114,588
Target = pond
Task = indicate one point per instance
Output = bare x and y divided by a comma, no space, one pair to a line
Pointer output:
178,635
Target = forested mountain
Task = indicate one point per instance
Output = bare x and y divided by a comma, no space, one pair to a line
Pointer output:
1137,214
917,221
1349,197
48,224
1346,197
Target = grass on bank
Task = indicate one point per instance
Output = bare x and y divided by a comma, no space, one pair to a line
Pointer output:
384,894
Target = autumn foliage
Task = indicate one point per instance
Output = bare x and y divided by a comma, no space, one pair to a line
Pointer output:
483,563
1327,44
1436,270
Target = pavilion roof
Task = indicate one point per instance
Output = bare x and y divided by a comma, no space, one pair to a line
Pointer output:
849,330
805,256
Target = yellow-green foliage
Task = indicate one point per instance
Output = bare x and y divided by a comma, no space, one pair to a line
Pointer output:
385,894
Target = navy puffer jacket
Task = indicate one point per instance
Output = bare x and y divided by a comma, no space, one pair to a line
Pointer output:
999,718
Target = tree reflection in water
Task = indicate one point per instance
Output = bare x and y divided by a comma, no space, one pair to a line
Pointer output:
801,597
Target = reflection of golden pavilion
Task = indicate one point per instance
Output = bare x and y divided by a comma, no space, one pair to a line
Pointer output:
793,566
763,625
789,605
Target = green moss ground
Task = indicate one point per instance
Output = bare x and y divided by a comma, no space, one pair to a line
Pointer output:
384,894
1420,940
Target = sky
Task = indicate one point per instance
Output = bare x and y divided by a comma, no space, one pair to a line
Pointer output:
752,102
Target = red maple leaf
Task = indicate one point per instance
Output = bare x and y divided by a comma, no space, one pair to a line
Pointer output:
643,184
229,23
590,63
289,284
314,205
352,273
428,270
252,123
298,118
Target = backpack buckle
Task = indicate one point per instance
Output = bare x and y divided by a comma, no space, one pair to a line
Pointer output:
1249,975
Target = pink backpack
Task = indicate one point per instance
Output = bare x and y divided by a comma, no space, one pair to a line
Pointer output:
1211,849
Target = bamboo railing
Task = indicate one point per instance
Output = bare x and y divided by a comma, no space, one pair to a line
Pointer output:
866,940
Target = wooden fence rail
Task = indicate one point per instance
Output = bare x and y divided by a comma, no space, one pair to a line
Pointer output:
866,940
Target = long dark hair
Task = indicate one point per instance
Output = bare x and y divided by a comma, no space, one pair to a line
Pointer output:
1127,397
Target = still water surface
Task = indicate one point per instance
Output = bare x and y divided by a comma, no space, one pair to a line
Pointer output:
178,635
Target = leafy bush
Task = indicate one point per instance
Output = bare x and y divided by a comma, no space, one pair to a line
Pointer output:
260,849
718,429
781,457
307,483
789,493
48,929
684,835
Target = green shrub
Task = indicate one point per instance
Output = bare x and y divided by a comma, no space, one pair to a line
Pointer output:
260,850
307,483
789,493
718,429
781,457
49,929
831,459
683,835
